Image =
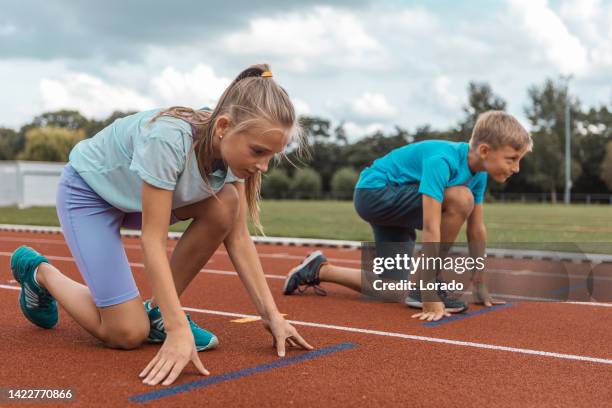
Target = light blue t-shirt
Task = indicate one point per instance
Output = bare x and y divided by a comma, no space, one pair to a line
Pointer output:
117,159
434,164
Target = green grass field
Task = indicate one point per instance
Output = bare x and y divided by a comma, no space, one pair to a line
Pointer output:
535,223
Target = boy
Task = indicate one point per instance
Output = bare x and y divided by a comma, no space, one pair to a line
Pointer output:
436,186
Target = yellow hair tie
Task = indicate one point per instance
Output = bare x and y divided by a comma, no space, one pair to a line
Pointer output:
266,74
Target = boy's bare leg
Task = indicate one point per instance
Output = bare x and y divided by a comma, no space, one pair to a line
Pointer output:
457,206
456,209
347,277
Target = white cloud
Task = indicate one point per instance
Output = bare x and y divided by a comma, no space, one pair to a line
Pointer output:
418,60
592,21
355,131
90,95
410,20
19,81
373,106
582,11
195,88
7,29
443,95
552,37
301,107
323,35
96,97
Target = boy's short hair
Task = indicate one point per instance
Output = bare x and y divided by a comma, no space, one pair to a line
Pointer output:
497,129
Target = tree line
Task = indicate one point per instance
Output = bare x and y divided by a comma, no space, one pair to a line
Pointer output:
334,163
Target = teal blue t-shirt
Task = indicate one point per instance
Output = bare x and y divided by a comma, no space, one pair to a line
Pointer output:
434,164
132,150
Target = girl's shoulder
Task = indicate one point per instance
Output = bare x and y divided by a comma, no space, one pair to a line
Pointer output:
167,128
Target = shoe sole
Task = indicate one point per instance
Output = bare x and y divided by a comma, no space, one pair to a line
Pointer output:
214,342
301,265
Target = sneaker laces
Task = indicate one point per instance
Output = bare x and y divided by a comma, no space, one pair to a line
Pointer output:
44,298
313,283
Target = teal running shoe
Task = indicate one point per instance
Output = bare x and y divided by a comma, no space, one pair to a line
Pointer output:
204,340
36,303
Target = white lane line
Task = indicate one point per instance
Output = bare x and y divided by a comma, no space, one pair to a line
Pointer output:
275,255
357,262
283,277
539,299
141,265
472,344
590,304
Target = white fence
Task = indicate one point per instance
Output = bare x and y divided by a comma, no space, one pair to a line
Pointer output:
27,184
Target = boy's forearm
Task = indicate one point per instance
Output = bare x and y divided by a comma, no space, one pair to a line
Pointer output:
431,235
477,243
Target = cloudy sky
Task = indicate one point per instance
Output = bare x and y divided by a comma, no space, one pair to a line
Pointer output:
371,64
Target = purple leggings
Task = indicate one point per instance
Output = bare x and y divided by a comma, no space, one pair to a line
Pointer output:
91,228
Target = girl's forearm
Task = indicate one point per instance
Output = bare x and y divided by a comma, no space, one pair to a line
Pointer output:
245,259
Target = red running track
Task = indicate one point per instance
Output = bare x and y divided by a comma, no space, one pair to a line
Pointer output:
529,354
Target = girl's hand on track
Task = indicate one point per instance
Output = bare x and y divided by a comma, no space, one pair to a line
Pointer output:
284,333
432,311
176,352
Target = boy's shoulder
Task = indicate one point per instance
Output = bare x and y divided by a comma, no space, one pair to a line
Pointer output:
439,149
436,144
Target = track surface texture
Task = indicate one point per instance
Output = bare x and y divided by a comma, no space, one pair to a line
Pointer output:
539,354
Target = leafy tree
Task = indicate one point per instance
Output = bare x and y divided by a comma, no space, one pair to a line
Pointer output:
606,167
73,120
340,134
316,129
343,183
50,143
594,132
480,99
306,183
546,113
324,153
363,152
11,143
95,126
425,132
69,119
276,184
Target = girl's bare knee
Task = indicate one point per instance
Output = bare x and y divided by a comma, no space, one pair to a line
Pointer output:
125,325
126,337
225,211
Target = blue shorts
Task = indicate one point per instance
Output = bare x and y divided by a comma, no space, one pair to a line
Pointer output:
394,212
91,227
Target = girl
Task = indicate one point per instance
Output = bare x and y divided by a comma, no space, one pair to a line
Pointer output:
148,170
